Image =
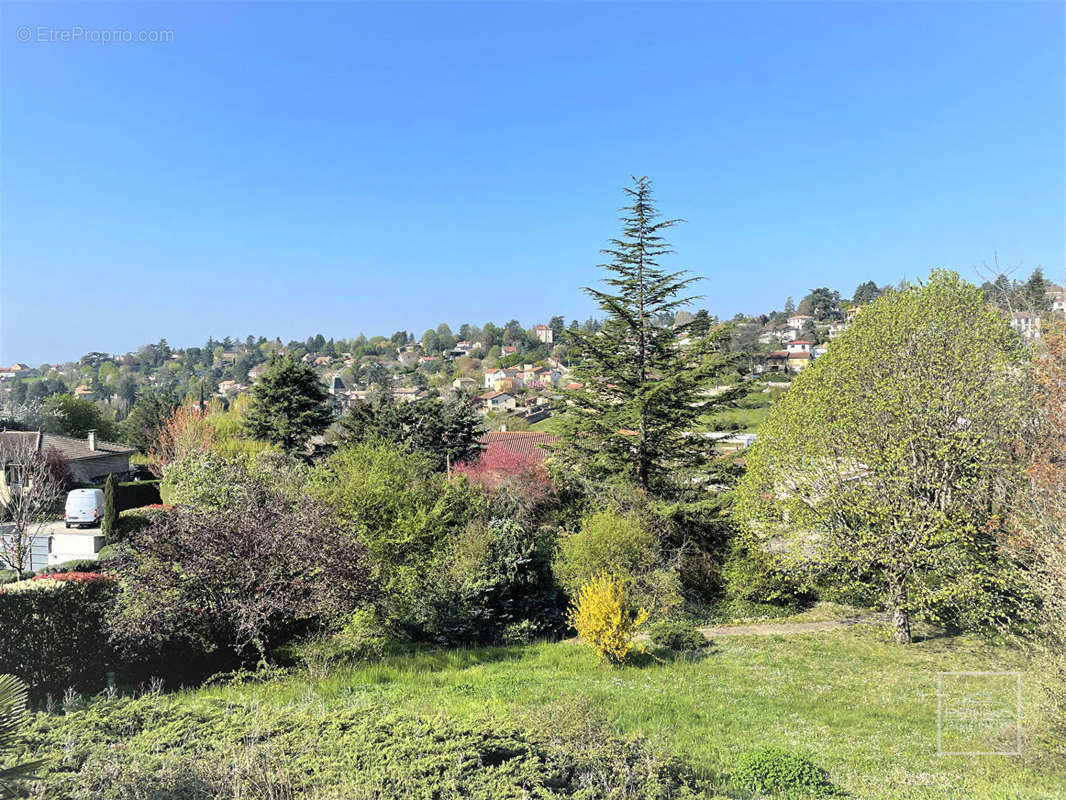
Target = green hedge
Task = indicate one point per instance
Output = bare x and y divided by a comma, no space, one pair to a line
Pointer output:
134,494
52,635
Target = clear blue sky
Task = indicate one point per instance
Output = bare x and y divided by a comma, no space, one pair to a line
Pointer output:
288,169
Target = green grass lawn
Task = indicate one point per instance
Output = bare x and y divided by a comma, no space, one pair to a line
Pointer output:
550,425
857,704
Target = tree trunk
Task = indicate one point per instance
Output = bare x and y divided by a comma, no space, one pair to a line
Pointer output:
901,618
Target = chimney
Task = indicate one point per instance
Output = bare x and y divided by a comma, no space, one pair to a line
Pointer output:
92,440
503,427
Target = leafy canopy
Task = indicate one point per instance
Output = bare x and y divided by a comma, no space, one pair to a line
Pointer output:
890,457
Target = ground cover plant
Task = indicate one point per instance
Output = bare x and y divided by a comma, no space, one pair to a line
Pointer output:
851,701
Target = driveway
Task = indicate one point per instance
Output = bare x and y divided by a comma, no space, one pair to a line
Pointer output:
48,528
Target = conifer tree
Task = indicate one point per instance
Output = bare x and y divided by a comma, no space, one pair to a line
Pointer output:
109,523
643,382
289,405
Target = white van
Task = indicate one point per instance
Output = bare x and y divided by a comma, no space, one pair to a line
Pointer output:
84,507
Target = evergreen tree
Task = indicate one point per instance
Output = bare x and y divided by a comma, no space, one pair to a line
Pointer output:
1035,291
446,432
642,392
865,293
109,523
289,405
149,413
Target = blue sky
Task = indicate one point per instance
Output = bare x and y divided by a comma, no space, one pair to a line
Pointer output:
288,169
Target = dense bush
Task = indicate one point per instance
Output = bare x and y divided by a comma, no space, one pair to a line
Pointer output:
769,770
750,574
135,494
677,636
238,580
173,748
604,617
498,469
205,480
622,545
53,633
493,583
406,516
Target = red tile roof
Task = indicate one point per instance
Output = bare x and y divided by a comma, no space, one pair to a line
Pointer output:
523,443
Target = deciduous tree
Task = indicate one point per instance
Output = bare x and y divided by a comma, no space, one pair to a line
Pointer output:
889,460
34,491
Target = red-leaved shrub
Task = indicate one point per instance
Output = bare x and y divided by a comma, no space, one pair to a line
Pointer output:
76,577
500,468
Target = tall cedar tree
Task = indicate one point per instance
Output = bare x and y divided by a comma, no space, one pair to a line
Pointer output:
643,382
289,405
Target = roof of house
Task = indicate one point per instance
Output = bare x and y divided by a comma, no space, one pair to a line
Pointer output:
523,443
801,355
70,448
801,341
494,395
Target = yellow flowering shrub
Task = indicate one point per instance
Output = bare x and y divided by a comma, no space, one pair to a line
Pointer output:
604,619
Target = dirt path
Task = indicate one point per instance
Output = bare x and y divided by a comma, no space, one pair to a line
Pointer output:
779,628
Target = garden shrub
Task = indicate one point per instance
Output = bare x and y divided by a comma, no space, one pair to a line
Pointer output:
79,565
170,747
494,575
405,515
751,574
770,770
622,545
53,631
206,480
677,636
135,494
239,580
604,618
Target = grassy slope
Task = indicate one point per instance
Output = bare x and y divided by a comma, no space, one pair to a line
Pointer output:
859,705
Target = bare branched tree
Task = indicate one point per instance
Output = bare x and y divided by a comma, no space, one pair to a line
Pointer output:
33,489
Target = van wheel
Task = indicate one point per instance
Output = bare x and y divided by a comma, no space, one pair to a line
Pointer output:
67,524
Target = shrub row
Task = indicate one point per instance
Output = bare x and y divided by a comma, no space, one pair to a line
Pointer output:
135,494
53,635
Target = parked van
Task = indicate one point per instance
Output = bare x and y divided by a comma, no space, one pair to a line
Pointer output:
84,507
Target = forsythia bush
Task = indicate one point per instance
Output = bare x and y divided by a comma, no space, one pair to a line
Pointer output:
604,619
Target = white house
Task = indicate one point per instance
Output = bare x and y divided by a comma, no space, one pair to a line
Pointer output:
1027,324
498,402
800,346
493,376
